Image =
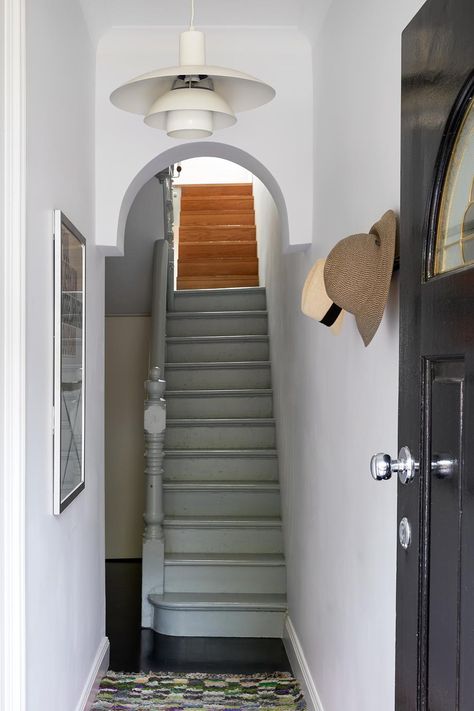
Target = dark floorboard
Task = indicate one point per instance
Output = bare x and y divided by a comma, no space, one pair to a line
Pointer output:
135,649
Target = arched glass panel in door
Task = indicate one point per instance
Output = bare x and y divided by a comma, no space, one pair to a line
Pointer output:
454,244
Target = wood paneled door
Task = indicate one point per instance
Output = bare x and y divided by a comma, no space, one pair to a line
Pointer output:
435,567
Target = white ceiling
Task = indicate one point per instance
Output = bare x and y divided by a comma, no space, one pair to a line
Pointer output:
101,15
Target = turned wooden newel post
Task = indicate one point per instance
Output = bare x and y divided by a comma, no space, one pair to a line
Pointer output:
153,539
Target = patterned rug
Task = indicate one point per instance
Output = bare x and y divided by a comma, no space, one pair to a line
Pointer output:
213,692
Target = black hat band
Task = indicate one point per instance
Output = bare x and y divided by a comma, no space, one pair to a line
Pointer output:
331,315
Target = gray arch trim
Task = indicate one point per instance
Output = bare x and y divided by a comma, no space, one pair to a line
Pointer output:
199,150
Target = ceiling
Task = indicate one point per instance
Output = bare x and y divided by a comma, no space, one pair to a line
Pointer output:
101,15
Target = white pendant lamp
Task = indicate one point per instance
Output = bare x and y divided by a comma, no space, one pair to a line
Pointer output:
193,99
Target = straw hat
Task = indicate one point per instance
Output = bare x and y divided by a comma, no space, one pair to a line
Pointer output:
358,272
315,302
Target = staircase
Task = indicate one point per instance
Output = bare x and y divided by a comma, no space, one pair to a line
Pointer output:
217,238
224,570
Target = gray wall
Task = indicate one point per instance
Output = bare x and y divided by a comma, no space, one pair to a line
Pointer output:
128,289
127,345
128,279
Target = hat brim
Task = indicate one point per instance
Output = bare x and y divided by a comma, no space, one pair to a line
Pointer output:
368,258
369,318
315,301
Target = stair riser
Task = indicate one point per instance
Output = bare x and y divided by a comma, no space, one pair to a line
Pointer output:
208,406
220,437
215,378
214,352
223,540
222,326
216,189
221,469
241,217
214,503
226,203
198,251
232,300
218,267
225,578
215,623
216,233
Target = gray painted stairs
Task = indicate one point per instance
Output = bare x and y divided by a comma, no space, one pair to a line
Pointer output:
225,571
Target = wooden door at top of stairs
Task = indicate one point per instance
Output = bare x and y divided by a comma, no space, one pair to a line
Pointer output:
435,567
217,237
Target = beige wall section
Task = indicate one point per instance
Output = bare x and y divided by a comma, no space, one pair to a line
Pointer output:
126,361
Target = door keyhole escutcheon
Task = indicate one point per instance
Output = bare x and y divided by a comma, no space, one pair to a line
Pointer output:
404,533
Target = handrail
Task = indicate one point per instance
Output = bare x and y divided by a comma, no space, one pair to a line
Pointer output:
166,179
155,415
158,305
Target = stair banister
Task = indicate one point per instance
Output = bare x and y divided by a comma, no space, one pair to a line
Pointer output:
158,305
166,180
154,430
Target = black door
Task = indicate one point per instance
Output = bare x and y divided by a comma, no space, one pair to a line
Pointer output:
435,572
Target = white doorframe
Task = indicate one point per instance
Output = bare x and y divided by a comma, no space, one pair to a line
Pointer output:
12,360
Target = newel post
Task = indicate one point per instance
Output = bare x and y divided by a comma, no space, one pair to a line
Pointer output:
153,539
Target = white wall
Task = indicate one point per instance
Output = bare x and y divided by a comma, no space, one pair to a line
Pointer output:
268,224
211,170
65,555
335,400
269,138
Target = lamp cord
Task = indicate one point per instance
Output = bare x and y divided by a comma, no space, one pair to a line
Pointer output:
191,27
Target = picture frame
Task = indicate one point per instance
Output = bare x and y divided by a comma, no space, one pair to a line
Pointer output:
69,362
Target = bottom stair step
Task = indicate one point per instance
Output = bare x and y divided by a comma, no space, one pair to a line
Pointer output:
219,615
225,573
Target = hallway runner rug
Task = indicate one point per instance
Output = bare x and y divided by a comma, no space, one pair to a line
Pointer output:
189,692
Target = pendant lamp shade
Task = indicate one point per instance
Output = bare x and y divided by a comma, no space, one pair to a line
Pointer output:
193,102
191,91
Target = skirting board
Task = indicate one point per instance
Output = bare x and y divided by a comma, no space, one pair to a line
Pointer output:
300,667
98,669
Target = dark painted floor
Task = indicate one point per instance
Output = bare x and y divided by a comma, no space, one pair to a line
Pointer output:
133,649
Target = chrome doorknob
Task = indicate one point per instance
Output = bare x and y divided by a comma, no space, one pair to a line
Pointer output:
382,466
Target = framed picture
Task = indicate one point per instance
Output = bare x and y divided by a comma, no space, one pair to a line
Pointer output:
69,361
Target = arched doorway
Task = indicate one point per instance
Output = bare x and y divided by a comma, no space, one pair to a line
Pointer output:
203,149
232,399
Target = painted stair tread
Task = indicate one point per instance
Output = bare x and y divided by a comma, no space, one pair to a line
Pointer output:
233,291
253,392
222,521
195,282
217,323
233,453
222,601
217,339
230,297
226,559
251,313
220,422
201,485
218,364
